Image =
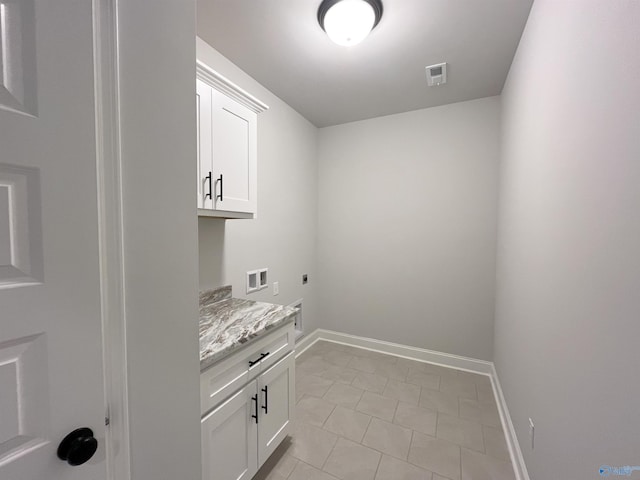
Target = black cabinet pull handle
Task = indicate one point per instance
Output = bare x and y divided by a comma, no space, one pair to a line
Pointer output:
255,399
208,195
262,357
220,195
265,407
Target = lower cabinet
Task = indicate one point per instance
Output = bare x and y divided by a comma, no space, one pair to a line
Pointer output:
277,389
239,435
229,446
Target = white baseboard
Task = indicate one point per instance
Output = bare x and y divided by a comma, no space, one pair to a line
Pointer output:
306,341
438,358
421,354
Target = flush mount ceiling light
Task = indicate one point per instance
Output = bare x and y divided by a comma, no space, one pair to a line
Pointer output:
348,22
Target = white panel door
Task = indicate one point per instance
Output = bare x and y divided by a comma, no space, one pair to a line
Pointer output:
204,145
234,155
277,395
229,438
51,376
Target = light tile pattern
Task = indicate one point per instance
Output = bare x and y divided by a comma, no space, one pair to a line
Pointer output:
377,406
388,438
365,415
419,419
352,461
347,423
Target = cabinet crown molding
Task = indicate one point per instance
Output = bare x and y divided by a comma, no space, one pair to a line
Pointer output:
226,86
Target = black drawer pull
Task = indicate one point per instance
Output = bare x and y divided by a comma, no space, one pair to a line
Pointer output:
262,357
220,195
255,399
209,195
265,407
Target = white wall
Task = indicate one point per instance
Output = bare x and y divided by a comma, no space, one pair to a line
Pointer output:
407,227
283,237
157,78
568,310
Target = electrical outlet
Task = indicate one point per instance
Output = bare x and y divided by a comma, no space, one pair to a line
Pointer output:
276,288
532,433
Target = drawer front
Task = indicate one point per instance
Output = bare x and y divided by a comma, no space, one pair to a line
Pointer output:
280,345
223,379
216,387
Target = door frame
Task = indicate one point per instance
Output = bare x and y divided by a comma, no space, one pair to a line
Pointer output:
110,237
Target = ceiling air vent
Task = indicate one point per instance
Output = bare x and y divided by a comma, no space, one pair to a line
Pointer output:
436,74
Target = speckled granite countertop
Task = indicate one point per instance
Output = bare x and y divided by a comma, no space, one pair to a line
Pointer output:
227,324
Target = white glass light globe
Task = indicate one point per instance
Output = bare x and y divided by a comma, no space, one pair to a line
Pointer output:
348,22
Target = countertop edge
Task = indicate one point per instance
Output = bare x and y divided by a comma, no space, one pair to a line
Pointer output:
220,355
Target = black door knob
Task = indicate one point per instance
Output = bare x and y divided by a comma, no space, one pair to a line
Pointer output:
78,447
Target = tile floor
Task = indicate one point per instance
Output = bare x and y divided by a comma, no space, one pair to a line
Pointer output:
362,415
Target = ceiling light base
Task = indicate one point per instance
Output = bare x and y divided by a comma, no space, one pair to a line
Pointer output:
327,4
349,19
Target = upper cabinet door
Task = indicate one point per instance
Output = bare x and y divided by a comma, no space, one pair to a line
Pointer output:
204,136
227,146
234,155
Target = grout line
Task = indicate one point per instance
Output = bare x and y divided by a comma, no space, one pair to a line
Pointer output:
328,416
413,432
366,429
378,466
483,441
333,447
294,467
395,411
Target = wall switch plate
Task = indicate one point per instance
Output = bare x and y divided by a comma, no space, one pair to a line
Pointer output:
305,279
532,433
276,288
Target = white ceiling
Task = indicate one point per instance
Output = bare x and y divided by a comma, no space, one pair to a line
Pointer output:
281,45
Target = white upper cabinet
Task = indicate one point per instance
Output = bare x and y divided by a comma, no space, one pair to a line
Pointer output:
227,146
234,153
204,135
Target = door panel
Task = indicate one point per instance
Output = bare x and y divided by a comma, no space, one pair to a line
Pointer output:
51,375
20,236
276,387
229,448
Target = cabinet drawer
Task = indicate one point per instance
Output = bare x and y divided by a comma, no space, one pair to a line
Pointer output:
282,344
215,386
223,379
